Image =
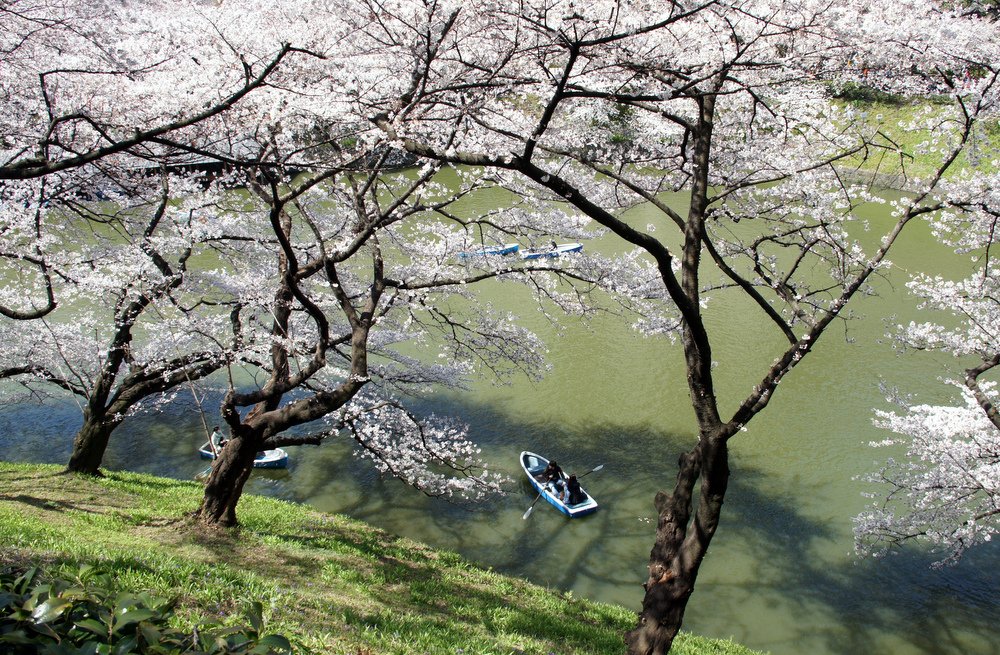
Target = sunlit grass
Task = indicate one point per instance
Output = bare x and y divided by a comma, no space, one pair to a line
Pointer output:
919,152
328,583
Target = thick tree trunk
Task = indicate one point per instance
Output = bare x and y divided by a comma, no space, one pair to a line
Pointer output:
680,546
684,529
230,471
90,444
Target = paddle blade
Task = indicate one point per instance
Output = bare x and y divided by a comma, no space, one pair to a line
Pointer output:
597,468
528,513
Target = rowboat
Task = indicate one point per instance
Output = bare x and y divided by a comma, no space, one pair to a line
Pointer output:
554,251
275,458
533,466
490,251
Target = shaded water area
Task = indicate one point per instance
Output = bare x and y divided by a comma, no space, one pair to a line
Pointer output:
781,574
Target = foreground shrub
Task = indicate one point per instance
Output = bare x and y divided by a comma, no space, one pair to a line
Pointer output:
85,616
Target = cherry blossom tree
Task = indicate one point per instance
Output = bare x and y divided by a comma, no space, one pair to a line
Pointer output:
730,104
88,81
945,490
91,87
367,265
134,323
97,96
263,92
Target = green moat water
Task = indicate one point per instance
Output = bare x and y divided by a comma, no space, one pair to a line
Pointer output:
781,574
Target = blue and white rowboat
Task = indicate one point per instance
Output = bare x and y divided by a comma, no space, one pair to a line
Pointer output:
507,249
275,458
561,249
533,466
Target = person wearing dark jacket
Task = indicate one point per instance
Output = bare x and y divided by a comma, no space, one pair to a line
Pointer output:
552,472
576,495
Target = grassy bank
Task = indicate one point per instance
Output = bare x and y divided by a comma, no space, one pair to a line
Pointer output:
328,583
921,151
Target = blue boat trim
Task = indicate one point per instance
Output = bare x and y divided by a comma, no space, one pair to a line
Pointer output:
533,465
508,249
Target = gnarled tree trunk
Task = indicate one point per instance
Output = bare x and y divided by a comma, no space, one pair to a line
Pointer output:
230,471
684,529
681,544
268,417
91,442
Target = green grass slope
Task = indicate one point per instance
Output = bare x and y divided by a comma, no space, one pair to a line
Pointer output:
329,583
921,150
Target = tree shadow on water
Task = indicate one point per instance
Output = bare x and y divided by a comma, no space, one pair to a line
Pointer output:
907,605
835,602
776,577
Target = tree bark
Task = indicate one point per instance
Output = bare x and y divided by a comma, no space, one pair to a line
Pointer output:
230,471
680,545
90,443
255,430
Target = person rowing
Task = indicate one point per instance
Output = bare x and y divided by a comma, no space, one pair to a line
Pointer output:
216,440
552,472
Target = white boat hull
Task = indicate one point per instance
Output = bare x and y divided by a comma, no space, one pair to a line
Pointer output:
274,458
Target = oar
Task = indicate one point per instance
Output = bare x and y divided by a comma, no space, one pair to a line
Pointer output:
532,506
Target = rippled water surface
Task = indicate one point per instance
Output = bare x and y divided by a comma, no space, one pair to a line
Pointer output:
781,574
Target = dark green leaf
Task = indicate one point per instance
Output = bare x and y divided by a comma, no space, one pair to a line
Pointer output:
131,617
20,614
226,632
23,582
255,614
125,646
86,571
125,602
31,602
75,593
16,637
44,629
150,634
8,599
94,626
272,644
50,610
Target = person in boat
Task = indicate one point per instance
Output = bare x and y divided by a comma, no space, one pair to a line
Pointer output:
552,472
217,441
553,245
574,493
560,491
